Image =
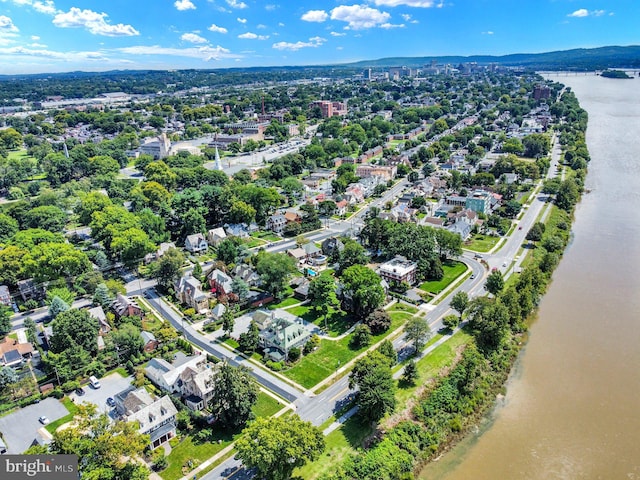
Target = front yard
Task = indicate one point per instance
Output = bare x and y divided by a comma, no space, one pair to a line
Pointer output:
482,243
452,270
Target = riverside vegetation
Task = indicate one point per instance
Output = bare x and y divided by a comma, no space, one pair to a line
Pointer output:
456,401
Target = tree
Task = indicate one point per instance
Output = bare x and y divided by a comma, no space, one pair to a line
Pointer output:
229,249
275,446
127,341
7,376
235,395
322,293
107,449
75,329
451,321
362,290
352,254
536,145
132,245
8,227
167,269
47,217
240,288
378,321
417,330
376,387
494,283
535,232
228,321
459,302
410,373
274,270
249,340
5,319
102,296
387,349
361,336
241,212
57,307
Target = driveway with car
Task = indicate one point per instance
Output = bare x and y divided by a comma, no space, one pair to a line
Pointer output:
110,386
20,428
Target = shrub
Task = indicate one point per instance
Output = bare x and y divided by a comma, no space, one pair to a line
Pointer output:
361,336
294,354
378,321
275,366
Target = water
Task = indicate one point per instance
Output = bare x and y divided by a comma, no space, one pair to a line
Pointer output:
571,408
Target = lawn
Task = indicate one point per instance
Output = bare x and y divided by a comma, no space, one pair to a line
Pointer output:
151,323
337,321
331,354
266,406
192,449
403,307
452,270
71,407
431,364
481,243
339,444
254,242
268,236
287,302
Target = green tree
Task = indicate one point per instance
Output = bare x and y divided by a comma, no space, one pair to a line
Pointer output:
459,302
352,254
378,321
108,449
275,270
361,336
248,341
47,217
8,376
8,227
132,245
418,331
451,321
410,373
241,212
127,341
102,296
5,319
275,446
229,249
535,232
235,395
228,321
74,329
57,306
387,349
362,290
167,268
494,283
376,387
322,293
240,288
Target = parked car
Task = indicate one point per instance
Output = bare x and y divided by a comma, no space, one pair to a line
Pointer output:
44,420
111,402
80,391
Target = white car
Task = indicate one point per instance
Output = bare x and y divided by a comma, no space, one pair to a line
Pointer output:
44,420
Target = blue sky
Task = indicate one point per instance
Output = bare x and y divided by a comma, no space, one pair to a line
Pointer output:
95,35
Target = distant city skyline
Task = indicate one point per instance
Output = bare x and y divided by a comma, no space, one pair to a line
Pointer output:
41,36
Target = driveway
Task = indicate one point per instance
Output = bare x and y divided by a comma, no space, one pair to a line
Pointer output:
20,428
111,385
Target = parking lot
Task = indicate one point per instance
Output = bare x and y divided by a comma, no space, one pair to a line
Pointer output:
110,385
20,428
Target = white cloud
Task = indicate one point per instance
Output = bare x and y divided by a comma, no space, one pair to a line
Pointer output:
270,7
7,26
488,32
37,45
359,16
313,42
598,13
217,29
281,24
94,22
253,36
337,34
193,38
236,4
35,38
315,16
242,20
583,12
42,6
261,26
206,53
184,5
388,26
408,18
42,53
408,3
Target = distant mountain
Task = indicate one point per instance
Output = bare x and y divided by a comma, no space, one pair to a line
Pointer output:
599,58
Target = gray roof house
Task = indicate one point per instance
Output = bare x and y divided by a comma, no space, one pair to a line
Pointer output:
196,243
5,296
216,235
189,291
155,417
220,282
280,332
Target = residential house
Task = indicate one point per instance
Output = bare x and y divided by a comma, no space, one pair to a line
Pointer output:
354,194
301,292
276,223
218,311
241,230
247,274
399,269
98,314
216,235
221,284
162,249
292,217
166,375
150,343
189,291
298,254
126,307
196,243
155,417
341,207
198,385
5,296
280,332
332,245
462,228
13,353
30,291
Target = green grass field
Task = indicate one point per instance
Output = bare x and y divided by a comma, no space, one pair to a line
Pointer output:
482,243
452,270
336,323
71,408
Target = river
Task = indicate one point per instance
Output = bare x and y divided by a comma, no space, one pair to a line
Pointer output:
571,407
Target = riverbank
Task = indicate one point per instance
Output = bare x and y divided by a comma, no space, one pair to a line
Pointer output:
456,403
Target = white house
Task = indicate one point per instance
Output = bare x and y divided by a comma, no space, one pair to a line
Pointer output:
196,243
